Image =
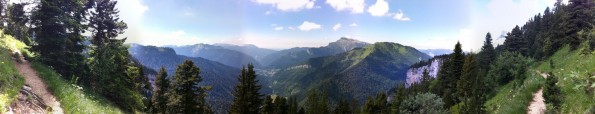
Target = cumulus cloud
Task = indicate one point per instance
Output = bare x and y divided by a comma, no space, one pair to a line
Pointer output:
380,8
278,28
307,26
131,12
288,5
337,26
400,16
356,6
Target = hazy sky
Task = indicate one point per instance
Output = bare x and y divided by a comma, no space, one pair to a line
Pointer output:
280,24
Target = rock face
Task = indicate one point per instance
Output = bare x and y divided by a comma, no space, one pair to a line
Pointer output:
414,74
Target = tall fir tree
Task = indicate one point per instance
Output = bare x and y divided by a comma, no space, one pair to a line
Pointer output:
186,96
160,92
317,102
515,42
487,54
17,22
58,29
267,106
246,93
454,72
466,82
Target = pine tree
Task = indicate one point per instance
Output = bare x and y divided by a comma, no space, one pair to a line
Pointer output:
280,105
426,79
57,26
186,96
317,103
487,54
515,42
17,21
246,96
160,93
468,81
342,107
580,18
399,97
551,91
452,73
267,106
293,107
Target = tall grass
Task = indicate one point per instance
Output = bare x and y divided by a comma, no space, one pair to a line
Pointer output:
74,99
10,79
515,101
567,63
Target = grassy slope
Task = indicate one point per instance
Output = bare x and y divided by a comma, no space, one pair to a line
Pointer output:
515,101
566,62
73,98
10,79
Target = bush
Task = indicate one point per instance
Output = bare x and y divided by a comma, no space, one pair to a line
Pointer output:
426,103
551,92
509,66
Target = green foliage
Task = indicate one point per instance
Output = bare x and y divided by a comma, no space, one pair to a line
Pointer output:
74,99
114,76
343,107
160,93
293,107
59,43
515,42
317,102
509,66
426,103
448,76
470,87
10,79
514,100
551,92
487,54
17,21
377,105
186,96
246,96
267,106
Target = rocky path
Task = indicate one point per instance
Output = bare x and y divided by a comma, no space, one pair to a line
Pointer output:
537,105
38,87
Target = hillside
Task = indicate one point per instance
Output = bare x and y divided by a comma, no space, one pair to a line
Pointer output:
249,49
357,73
216,53
292,56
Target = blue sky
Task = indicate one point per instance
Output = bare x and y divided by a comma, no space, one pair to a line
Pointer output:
280,24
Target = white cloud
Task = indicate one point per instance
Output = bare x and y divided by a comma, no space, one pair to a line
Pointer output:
278,28
268,13
132,12
288,5
400,16
337,26
307,26
353,25
380,8
356,6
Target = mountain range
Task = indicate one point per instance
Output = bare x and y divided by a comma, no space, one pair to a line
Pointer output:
357,73
345,68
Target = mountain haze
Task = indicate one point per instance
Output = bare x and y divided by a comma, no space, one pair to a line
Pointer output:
291,56
216,53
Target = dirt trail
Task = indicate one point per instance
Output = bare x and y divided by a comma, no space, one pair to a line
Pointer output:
37,85
537,105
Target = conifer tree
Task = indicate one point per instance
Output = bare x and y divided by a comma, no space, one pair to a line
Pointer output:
280,105
468,81
293,107
317,103
160,93
246,96
186,96
342,107
57,28
515,42
487,54
453,73
267,106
